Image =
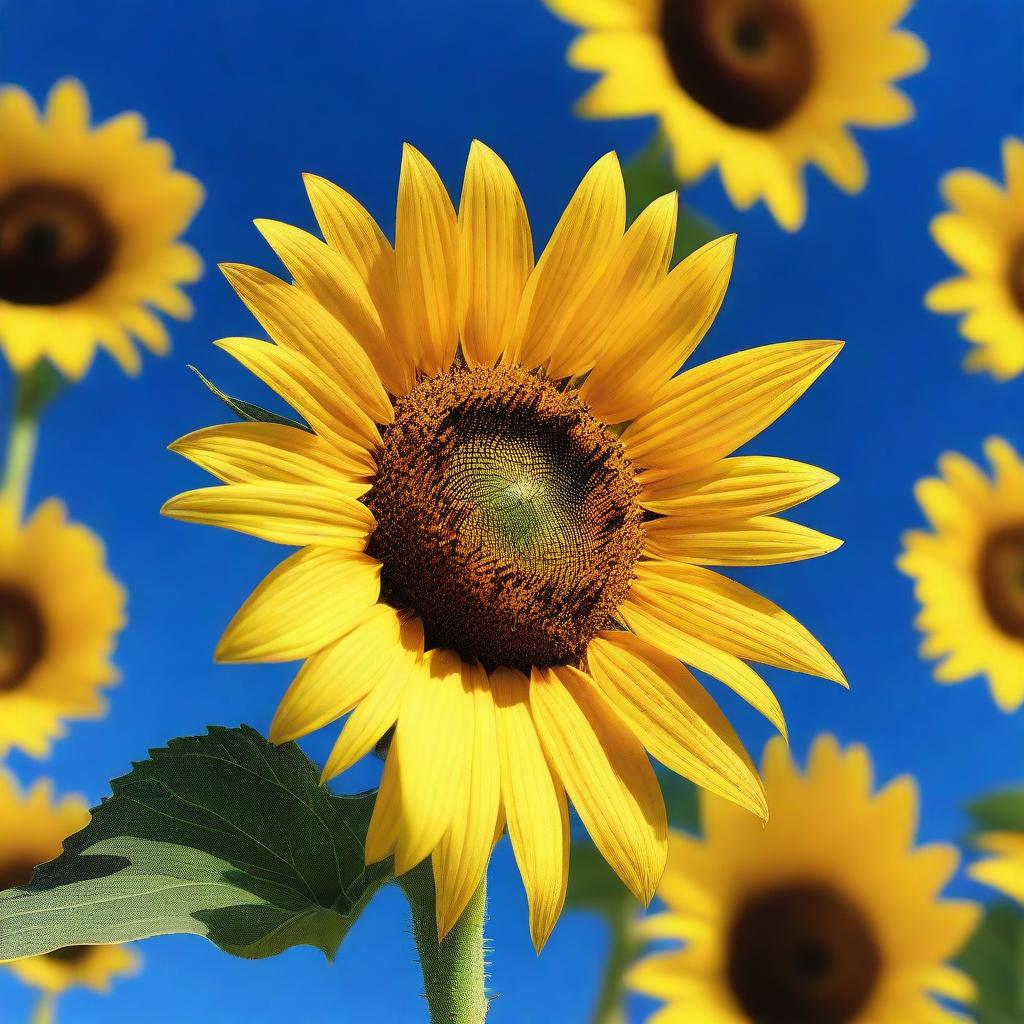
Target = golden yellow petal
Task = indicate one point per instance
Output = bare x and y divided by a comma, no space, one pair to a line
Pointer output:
535,805
607,775
495,256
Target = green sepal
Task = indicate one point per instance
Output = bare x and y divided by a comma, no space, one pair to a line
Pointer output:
648,176
222,835
1002,811
994,959
248,411
37,388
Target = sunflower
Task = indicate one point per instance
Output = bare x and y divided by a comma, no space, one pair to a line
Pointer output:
984,235
1004,870
759,88
969,573
33,827
504,504
60,611
89,221
826,915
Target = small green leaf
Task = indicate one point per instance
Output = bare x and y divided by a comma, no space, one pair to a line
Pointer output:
994,958
649,176
37,388
221,835
246,410
1001,812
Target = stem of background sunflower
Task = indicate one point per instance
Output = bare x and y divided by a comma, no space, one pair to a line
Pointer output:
453,970
45,1011
622,953
34,390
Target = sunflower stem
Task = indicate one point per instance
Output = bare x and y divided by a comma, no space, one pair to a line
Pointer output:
623,951
453,970
33,391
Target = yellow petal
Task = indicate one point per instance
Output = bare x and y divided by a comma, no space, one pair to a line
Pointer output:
460,859
427,253
624,14
732,617
306,603
324,405
639,262
67,108
299,323
350,230
736,488
249,453
674,717
382,834
651,623
431,741
333,682
378,710
659,334
327,276
606,772
495,256
584,238
294,514
709,411
762,540
535,805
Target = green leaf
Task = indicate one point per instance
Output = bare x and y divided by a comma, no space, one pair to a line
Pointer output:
594,887
649,176
1001,812
994,958
248,411
221,835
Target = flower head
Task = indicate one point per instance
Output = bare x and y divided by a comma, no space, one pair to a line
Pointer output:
826,915
504,503
89,222
969,572
759,88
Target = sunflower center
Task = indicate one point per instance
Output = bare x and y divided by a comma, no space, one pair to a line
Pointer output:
802,953
507,517
750,62
1016,276
1002,579
15,874
55,245
22,637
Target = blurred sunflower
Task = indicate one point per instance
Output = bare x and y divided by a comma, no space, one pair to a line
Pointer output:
33,827
1004,870
826,915
60,611
89,221
759,88
501,473
969,573
984,235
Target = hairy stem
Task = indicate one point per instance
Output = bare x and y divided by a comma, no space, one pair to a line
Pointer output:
453,970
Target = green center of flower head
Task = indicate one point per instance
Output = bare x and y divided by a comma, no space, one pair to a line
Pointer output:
802,954
22,637
506,517
1001,570
55,245
749,62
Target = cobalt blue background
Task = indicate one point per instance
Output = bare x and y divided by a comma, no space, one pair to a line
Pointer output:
252,94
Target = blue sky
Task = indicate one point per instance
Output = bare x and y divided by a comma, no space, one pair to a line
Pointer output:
251,95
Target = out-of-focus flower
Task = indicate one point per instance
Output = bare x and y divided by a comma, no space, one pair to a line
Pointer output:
33,826
60,612
1004,870
89,226
827,914
983,234
969,572
501,471
758,88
